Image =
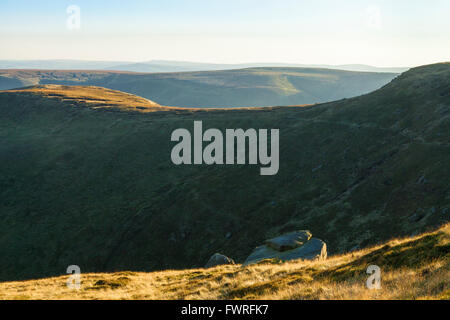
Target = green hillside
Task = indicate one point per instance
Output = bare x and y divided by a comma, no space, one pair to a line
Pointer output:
228,88
96,187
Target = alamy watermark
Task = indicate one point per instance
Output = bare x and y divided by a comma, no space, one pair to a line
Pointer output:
73,21
74,280
374,17
374,280
235,140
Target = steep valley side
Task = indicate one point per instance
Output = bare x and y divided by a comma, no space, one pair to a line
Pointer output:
96,187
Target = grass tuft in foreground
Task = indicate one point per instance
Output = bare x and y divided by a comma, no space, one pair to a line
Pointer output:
411,268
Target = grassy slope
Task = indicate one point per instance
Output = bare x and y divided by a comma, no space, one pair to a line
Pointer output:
411,268
94,97
237,88
97,188
104,99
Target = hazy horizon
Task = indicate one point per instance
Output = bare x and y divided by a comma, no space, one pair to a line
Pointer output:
211,62
376,33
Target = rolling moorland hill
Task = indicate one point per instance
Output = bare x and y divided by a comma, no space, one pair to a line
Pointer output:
180,66
230,88
95,186
173,66
411,268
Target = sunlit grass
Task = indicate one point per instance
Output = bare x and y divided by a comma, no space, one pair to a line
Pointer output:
102,98
411,268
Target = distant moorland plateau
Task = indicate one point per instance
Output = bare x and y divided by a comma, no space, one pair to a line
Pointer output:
250,87
173,66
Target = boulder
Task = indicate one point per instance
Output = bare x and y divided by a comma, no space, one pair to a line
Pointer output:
218,259
261,253
314,249
289,241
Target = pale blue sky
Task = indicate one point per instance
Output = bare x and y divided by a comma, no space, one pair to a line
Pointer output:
379,32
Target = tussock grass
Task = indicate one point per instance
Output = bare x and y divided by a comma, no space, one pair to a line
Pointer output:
411,268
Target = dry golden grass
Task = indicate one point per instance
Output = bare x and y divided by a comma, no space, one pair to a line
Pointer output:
411,268
94,97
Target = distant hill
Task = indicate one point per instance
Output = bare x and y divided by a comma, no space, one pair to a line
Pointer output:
173,66
365,68
230,88
179,66
94,97
96,187
59,64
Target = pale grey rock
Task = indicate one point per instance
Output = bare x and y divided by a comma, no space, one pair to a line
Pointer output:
314,249
289,241
218,259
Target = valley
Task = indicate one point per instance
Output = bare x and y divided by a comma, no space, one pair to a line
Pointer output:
86,177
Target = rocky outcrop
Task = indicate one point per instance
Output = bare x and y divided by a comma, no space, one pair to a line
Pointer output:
289,241
218,259
290,246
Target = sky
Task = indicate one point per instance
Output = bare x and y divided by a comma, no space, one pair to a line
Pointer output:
394,33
